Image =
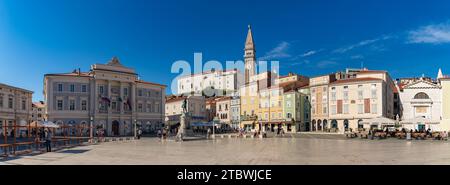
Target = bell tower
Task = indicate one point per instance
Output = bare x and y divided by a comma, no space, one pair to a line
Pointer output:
249,56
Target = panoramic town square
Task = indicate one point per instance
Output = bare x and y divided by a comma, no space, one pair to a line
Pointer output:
163,83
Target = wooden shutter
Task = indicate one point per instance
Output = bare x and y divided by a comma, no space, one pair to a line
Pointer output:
339,106
367,106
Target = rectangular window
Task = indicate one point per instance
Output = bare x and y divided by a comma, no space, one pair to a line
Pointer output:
158,108
72,87
149,109
60,104
83,105
333,110
374,108
24,104
374,91
125,91
360,108
71,104
10,102
83,88
114,105
140,107
333,96
140,92
60,87
1,100
346,109
324,106
101,89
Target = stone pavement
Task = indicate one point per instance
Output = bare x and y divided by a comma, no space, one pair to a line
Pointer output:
294,150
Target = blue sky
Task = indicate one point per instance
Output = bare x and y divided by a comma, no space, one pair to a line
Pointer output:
407,38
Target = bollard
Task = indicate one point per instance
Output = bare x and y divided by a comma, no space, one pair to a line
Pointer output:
229,136
252,136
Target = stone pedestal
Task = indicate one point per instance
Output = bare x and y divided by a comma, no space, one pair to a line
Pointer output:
184,130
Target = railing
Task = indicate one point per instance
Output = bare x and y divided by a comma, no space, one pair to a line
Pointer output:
19,139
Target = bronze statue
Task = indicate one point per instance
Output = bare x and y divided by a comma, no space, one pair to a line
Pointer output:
184,106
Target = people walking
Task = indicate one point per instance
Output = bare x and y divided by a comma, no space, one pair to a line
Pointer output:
139,133
48,140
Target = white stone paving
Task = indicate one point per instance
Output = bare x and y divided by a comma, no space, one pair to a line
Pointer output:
249,151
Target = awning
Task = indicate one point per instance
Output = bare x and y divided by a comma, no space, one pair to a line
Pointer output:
379,120
419,120
50,124
35,124
247,122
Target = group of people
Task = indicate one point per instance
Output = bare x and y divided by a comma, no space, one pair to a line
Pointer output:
163,133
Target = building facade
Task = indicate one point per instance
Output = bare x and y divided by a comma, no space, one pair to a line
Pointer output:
196,107
422,99
319,101
15,108
223,110
38,111
352,101
111,96
235,105
209,83
445,84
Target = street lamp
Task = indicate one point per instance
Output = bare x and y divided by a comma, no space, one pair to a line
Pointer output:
215,120
135,123
91,134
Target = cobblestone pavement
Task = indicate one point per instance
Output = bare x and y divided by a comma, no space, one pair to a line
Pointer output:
293,150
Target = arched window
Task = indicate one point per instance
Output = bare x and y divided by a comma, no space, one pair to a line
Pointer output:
421,96
346,125
334,124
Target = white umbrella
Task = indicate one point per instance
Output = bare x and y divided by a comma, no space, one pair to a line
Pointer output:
379,120
50,124
419,120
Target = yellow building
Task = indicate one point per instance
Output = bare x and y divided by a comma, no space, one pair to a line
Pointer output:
445,83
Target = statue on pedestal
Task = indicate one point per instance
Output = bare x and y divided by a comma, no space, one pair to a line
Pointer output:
183,121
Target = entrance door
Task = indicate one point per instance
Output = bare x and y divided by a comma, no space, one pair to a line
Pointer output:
115,128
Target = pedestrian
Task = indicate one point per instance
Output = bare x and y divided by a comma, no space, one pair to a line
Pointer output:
48,140
139,133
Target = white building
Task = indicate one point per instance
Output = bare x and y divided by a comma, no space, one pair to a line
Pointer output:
38,111
210,83
422,99
110,96
195,106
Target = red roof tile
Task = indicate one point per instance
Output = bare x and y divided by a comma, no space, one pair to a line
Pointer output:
352,80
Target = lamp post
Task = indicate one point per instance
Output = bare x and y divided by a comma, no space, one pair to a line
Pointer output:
215,120
91,134
135,123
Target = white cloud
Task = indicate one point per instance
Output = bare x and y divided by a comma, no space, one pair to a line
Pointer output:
309,53
431,34
356,57
326,63
300,63
280,51
361,44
